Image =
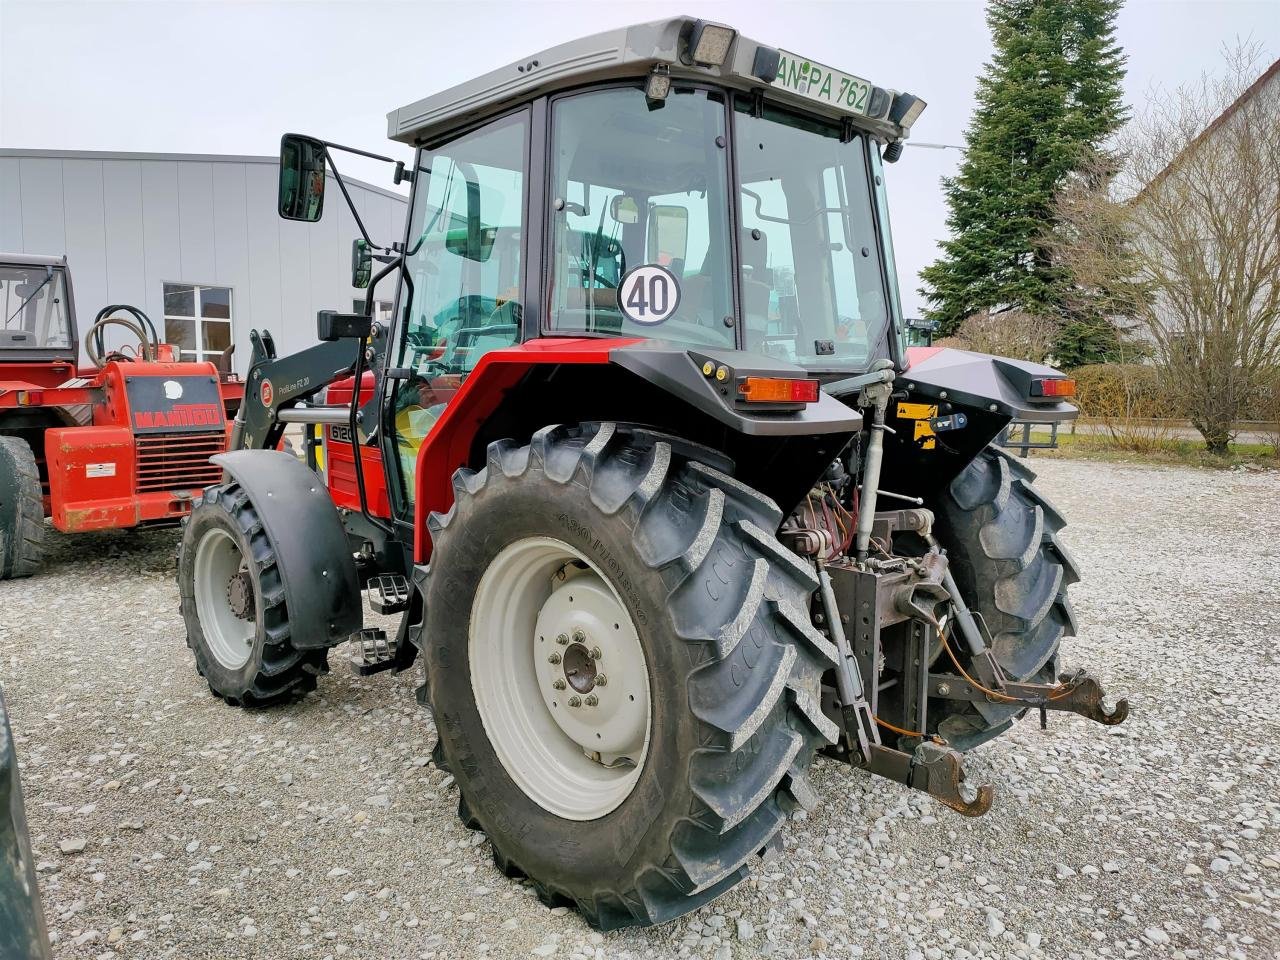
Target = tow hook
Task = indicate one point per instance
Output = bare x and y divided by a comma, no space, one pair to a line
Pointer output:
937,770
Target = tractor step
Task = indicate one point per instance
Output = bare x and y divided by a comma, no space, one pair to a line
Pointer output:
372,652
388,593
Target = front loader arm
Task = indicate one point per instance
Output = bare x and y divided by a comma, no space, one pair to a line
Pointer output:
276,383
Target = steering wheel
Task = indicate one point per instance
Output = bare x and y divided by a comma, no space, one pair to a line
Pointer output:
94,341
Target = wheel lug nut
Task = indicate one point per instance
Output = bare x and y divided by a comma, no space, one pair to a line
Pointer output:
575,701
554,658
592,700
559,684
579,636
563,639
595,653
601,680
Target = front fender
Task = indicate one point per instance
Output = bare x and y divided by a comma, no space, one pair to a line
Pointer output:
313,554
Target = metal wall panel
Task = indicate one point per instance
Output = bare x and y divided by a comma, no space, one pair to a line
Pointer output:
85,217
162,236
10,205
263,249
43,228
125,239
195,222
231,249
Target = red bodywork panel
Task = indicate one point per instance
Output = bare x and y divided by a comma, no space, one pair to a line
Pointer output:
340,465
448,446
920,354
143,456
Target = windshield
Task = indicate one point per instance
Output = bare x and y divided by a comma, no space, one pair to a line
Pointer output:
812,288
33,301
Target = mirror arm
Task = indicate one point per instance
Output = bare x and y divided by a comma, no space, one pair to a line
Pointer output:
358,152
347,196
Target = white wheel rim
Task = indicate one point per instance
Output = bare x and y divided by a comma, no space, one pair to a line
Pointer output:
228,635
546,624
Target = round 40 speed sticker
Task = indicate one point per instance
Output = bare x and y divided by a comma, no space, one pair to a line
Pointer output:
649,294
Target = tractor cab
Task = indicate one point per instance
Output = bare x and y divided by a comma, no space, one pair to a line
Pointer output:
686,184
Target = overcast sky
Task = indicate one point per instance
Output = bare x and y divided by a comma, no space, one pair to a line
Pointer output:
230,77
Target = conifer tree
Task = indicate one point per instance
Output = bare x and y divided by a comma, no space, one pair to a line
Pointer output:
1048,101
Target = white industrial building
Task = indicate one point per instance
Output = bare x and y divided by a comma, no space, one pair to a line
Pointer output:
193,240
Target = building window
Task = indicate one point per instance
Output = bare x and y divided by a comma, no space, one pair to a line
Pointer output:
197,320
381,310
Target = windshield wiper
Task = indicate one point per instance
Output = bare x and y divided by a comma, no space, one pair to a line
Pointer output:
48,275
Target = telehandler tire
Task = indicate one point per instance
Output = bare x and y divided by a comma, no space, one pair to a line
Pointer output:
21,510
232,601
604,553
1002,537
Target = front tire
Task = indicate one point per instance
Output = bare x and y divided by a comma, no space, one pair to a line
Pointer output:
731,667
21,511
233,604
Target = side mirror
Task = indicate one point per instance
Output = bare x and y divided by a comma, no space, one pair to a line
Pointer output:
361,263
624,209
302,177
668,234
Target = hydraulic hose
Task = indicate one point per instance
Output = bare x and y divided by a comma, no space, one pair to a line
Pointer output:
93,341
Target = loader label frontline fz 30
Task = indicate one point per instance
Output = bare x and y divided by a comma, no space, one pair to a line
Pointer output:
639,463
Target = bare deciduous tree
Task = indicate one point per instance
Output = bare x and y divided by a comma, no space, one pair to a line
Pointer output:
1185,240
1011,333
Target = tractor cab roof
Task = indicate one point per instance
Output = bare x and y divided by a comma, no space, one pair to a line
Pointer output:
681,48
31,260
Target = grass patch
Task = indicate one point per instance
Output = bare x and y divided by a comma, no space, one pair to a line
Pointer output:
1172,451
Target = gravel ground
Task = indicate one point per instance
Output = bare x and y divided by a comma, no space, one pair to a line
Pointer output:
168,825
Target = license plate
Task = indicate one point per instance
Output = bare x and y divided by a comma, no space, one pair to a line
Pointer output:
813,81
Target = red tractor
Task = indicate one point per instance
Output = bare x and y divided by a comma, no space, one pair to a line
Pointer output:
665,506
122,442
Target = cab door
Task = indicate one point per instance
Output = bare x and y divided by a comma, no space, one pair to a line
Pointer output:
462,294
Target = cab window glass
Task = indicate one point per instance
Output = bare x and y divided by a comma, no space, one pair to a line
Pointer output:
812,287
463,264
635,186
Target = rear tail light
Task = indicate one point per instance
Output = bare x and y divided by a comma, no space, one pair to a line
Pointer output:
1055,387
777,390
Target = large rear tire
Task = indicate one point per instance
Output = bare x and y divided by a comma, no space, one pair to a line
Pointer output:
21,510
1002,537
233,603
711,630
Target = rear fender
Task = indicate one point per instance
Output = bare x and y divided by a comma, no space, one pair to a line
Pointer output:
999,385
513,392
317,569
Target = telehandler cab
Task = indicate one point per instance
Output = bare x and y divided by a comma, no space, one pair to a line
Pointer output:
665,504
